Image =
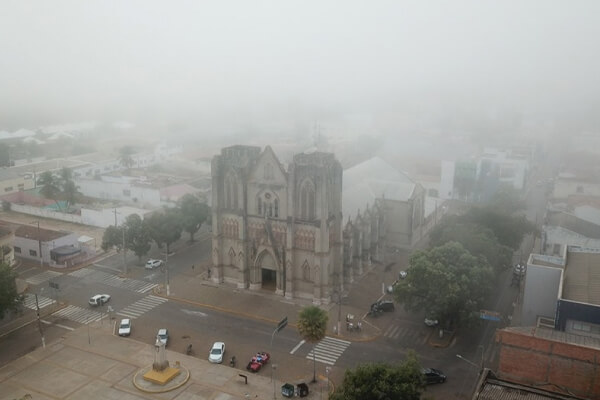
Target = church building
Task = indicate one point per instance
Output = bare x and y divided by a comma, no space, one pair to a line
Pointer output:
278,229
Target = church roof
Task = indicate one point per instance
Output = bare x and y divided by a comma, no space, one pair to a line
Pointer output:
373,179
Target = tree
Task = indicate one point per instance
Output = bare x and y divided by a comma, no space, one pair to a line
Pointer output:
113,237
446,282
10,300
125,156
137,238
71,192
508,228
382,381
478,240
4,155
194,213
165,227
50,185
312,325
506,200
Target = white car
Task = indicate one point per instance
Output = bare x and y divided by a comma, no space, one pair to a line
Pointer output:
163,336
125,327
152,263
431,322
402,274
216,352
99,299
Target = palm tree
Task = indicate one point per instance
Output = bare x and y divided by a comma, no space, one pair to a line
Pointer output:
125,158
312,324
50,186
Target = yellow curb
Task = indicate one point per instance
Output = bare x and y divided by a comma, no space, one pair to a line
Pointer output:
161,390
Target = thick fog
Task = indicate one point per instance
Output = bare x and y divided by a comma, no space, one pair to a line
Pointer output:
236,63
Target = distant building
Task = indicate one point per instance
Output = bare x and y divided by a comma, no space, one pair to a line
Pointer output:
275,228
541,363
400,200
7,237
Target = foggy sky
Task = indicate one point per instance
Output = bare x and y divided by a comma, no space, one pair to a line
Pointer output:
65,61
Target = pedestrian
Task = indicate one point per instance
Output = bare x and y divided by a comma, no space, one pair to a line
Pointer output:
208,273
193,266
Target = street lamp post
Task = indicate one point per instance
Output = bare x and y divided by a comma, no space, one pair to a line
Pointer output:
471,362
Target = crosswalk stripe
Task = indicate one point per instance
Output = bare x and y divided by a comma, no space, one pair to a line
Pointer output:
141,306
43,277
29,301
328,350
78,314
113,280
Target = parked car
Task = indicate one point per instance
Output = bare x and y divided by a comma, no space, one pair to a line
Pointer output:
384,305
163,336
125,327
152,263
216,353
431,322
433,375
99,299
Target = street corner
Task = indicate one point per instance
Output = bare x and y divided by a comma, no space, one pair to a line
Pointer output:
441,338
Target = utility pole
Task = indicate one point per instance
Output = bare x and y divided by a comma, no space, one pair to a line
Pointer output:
37,306
39,241
167,271
124,250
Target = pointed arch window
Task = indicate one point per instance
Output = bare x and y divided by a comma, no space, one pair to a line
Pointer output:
307,200
259,206
276,206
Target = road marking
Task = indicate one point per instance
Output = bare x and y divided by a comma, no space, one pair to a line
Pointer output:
193,312
297,346
328,350
141,306
44,276
58,325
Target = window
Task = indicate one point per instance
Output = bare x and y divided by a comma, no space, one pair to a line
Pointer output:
17,250
33,253
307,200
259,206
581,326
276,202
126,192
8,189
580,189
268,171
556,249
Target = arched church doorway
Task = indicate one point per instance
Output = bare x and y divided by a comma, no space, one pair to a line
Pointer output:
268,271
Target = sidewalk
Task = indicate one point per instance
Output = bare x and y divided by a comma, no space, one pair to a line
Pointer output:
91,362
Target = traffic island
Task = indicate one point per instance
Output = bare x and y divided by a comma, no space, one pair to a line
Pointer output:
440,338
160,377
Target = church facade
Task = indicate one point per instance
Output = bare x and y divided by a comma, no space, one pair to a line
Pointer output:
279,229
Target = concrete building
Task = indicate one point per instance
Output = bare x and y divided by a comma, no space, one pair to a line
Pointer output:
564,292
57,248
275,228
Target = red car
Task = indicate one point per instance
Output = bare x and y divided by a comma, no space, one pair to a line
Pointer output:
257,361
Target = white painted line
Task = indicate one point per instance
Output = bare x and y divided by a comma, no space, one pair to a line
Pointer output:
65,327
297,346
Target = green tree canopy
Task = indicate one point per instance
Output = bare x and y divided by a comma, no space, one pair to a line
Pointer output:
125,156
379,381
165,226
50,186
10,300
113,237
137,236
508,228
312,325
478,240
194,213
4,155
446,282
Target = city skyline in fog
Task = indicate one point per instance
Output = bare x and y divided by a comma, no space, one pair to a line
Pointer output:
246,63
